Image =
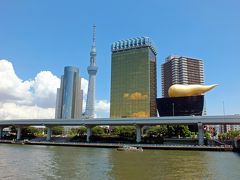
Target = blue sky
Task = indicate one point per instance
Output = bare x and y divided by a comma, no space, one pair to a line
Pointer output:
48,35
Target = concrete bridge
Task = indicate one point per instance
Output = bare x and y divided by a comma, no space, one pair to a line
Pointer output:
200,121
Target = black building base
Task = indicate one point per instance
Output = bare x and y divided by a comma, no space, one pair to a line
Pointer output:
180,106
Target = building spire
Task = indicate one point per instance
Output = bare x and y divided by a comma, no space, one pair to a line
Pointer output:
94,35
92,71
93,50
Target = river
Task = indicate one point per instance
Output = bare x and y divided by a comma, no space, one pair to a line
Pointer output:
59,162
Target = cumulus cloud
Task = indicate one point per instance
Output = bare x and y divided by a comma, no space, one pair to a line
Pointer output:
103,105
12,88
102,108
84,87
44,89
35,98
16,111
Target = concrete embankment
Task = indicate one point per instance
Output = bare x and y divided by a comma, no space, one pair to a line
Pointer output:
116,145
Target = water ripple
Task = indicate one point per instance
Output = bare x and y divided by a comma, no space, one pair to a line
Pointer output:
46,162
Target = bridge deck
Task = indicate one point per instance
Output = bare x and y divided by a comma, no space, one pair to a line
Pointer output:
185,120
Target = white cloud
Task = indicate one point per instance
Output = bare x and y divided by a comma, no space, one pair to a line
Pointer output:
103,105
102,108
84,87
12,88
15,111
44,89
36,98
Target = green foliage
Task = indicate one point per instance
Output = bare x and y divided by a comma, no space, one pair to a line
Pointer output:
185,131
97,131
157,131
127,131
207,135
171,131
233,134
222,136
229,135
57,130
124,131
72,132
163,130
193,135
31,132
178,130
116,131
82,131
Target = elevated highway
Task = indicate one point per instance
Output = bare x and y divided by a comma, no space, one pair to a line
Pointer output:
137,122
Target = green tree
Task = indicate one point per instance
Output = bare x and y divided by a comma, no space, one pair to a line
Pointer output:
185,132
193,135
157,131
127,131
30,132
57,130
97,131
207,135
233,134
178,130
116,130
73,132
171,131
222,136
229,135
82,131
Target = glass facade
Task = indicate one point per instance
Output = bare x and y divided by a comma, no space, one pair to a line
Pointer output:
133,83
69,91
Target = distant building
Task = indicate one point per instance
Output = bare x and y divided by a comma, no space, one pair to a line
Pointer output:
92,71
133,79
181,70
69,95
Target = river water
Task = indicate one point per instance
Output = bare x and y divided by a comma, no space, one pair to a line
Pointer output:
59,162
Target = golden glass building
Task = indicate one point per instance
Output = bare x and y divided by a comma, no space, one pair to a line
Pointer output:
133,79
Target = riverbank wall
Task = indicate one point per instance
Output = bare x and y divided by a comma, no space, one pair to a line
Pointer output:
116,145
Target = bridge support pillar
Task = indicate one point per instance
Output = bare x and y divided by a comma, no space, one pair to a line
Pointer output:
200,134
1,132
89,133
138,133
19,133
49,133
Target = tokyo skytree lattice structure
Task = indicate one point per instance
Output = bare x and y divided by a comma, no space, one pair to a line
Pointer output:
92,71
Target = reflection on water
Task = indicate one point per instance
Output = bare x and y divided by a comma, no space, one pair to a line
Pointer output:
55,162
72,162
160,164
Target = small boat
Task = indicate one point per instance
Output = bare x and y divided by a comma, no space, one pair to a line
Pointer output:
17,142
129,148
26,141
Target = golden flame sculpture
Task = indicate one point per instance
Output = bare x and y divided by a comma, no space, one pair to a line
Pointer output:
180,90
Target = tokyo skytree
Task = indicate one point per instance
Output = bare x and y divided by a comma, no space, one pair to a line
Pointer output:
92,71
